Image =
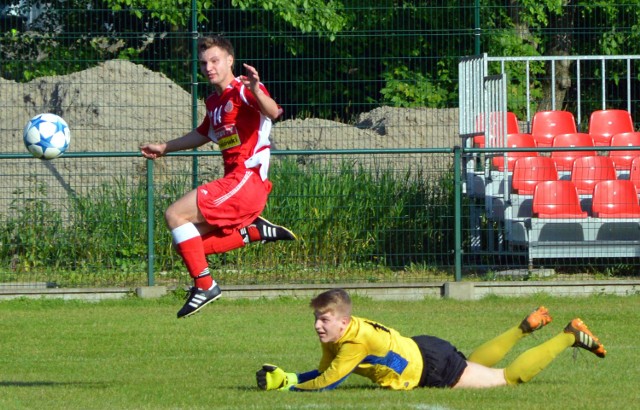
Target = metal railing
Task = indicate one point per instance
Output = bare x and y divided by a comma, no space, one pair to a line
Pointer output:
576,62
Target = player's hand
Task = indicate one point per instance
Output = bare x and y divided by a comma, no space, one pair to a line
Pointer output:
152,151
271,377
251,79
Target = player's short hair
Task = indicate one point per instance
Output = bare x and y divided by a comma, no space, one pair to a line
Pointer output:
205,43
336,301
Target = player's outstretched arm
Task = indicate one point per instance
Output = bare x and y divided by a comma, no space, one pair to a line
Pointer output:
190,140
271,377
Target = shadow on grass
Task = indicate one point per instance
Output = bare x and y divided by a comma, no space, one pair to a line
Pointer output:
44,383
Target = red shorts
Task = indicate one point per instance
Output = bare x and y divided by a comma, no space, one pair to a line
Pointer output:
233,201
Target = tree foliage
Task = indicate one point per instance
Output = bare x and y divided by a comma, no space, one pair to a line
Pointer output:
330,59
560,27
319,16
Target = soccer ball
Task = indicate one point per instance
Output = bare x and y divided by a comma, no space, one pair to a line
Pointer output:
47,136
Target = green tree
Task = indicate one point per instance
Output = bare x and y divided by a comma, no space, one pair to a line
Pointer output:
330,59
319,16
560,28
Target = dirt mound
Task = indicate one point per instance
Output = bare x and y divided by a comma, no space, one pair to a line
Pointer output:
382,128
111,107
117,105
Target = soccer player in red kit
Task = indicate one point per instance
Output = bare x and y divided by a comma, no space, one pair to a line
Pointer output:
224,214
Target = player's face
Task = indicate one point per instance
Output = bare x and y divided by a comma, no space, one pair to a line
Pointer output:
216,64
329,326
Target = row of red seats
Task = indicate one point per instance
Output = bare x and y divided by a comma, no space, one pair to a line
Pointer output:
603,125
611,199
564,159
545,125
585,173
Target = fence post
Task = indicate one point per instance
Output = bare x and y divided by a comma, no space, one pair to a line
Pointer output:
151,254
194,86
457,187
477,28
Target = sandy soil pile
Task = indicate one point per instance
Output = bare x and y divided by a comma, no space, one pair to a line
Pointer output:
118,105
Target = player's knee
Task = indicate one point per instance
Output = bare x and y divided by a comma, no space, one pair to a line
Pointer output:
172,217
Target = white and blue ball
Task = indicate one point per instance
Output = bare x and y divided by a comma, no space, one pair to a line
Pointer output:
47,136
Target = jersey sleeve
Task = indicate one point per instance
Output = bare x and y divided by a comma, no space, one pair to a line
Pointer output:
306,376
248,97
203,128
336,371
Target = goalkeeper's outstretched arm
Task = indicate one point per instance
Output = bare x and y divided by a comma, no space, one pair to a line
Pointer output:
272,377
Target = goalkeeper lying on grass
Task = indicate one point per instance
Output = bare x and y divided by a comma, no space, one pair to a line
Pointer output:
355,345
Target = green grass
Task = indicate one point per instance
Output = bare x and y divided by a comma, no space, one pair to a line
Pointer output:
134,354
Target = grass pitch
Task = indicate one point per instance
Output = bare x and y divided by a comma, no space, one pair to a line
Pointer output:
134,354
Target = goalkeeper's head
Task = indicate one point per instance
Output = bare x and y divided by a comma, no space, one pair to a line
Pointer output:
336,301
332,310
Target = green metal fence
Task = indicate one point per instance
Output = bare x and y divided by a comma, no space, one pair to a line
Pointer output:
364,166
360,215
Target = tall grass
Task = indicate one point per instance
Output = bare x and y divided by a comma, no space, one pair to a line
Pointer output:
348,218
349,214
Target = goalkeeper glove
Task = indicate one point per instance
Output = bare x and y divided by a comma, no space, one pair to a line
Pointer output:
271,377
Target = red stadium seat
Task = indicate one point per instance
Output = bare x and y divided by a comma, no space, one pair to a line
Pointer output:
588,171
547,124
515,141
564,159
494,118
622,159
557,199
615,199
634,174
604,124
528,171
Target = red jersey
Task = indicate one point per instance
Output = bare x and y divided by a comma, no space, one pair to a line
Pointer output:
235,123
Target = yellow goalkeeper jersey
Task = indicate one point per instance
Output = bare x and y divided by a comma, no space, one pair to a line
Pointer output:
369,349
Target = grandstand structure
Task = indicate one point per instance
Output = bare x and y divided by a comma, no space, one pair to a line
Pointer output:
547,185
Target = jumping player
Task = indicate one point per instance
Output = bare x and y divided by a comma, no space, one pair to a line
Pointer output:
355,345
224,214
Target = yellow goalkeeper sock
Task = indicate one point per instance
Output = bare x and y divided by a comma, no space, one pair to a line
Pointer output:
531,362
495,349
